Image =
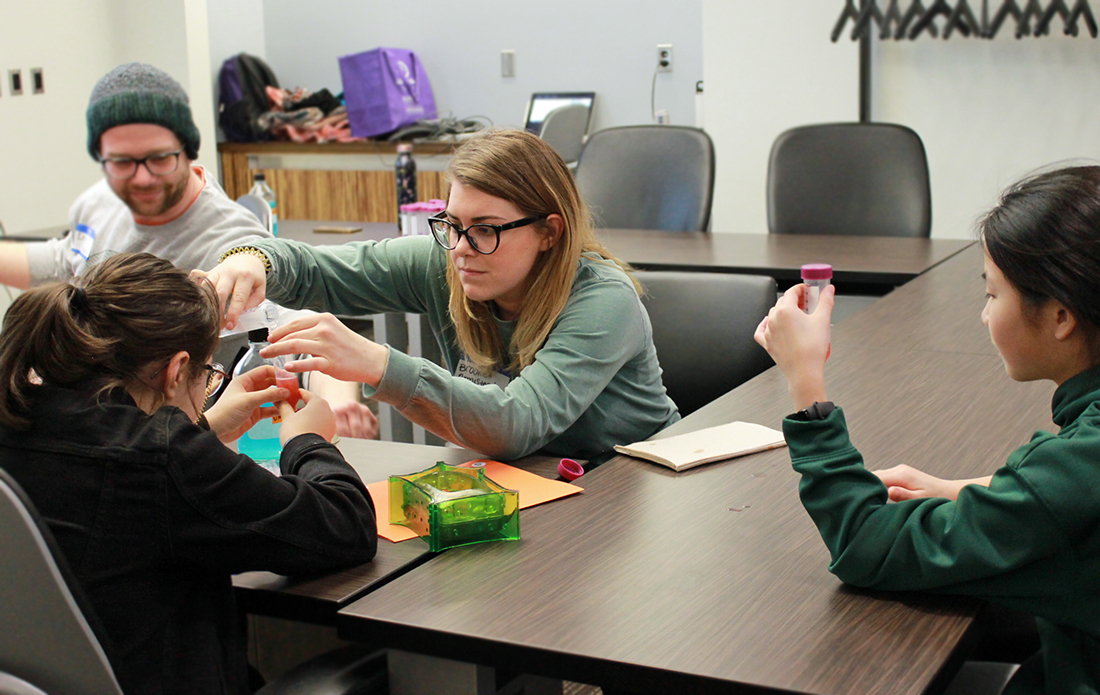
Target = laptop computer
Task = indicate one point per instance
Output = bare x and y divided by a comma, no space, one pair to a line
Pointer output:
542,103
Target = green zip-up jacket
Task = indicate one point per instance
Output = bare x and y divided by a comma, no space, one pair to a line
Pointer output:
1029,541
594,383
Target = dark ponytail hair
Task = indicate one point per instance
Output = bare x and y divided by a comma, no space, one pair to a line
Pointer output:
1044,236
128,312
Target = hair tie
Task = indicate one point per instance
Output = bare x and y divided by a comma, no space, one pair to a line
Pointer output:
78,299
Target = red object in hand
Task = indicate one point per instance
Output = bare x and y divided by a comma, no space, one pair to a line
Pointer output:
288,381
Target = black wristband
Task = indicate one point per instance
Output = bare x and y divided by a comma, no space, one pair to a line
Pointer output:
818,411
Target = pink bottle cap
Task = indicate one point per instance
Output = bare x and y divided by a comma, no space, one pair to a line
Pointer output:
433,205
570,469
817,271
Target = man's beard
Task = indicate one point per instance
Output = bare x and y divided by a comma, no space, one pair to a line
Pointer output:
172,194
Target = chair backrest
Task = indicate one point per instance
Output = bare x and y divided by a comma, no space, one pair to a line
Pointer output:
703,325
648,177
45,638
258,206
564,129
859,179
10,685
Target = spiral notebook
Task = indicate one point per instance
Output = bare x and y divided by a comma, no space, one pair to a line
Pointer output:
718,443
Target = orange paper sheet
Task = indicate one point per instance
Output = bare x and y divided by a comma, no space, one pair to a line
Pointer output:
533,489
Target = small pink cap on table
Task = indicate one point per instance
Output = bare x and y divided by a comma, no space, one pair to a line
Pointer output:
570,470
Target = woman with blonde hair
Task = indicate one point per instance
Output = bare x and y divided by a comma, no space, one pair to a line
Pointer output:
546,344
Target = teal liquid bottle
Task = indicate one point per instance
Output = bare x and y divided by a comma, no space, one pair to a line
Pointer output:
261,443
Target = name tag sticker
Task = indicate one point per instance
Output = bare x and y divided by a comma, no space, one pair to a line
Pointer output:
83,238
467,370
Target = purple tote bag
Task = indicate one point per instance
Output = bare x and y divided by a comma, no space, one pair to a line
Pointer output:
385,89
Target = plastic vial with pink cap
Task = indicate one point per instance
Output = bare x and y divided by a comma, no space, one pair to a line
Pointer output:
816,276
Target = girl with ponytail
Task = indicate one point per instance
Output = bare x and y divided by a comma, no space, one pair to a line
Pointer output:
102,425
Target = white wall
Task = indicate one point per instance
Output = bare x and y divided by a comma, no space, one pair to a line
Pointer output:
46,164
609,46
769,66
989,112
43,138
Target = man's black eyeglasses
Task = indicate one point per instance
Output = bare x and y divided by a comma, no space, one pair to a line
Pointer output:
160,164
483,238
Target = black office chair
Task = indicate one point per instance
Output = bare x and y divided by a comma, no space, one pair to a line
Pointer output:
859,179
703,325
48,645
648,177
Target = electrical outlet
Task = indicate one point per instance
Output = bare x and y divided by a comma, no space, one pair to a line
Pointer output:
15,80
507,63
38,81
664,57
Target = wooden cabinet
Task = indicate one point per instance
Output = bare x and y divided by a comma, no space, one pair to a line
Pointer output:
330,186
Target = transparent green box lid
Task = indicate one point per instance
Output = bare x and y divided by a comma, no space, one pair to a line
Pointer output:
451,506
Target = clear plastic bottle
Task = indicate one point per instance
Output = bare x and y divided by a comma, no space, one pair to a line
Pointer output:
263,190
816,276
261,443
405,172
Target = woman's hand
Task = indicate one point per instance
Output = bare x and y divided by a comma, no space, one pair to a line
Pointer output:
314,417
799,343
238,408
354,419
241,281
335,349
907,483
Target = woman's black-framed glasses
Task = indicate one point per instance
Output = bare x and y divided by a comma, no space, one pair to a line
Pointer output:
215,377
160,164
483,238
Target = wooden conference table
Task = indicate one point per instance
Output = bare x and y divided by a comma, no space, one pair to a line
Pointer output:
861,265
317,599
715,579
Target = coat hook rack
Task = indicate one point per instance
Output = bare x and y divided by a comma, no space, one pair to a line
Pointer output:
959,17
917,19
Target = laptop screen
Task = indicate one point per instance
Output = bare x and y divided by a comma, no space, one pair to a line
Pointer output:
543,103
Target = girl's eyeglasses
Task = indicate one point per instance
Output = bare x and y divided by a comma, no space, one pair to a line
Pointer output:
215,377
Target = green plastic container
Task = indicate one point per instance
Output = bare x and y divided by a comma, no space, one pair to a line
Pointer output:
451,506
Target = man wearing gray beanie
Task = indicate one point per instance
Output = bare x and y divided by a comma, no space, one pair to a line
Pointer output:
152,198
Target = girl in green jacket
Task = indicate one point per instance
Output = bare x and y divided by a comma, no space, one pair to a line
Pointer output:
1027,537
